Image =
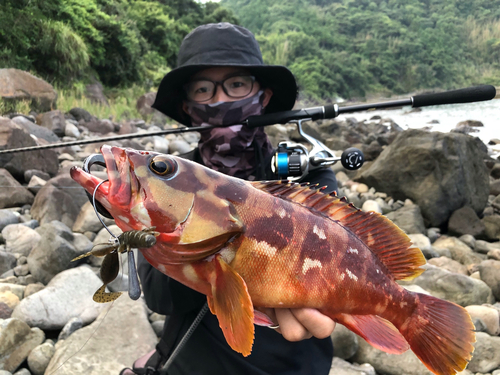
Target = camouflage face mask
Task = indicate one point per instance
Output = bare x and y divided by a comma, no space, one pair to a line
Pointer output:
231,150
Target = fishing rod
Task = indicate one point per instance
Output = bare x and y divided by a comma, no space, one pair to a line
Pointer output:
466,95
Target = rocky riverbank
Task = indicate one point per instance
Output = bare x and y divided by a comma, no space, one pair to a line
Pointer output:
443,190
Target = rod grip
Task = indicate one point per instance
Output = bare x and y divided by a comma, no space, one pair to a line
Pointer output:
467,95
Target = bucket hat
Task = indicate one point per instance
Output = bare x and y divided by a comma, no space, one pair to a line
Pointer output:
222,44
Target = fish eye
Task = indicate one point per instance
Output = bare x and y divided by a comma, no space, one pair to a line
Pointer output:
163,165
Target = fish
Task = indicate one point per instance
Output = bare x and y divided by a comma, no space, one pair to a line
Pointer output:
251,245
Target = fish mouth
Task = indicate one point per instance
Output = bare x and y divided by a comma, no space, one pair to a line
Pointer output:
117,190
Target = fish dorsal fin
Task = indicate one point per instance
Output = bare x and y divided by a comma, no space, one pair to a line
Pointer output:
391,245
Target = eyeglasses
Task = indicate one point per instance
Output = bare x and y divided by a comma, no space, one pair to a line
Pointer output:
235,87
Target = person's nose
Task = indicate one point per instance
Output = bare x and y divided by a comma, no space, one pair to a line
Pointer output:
220,95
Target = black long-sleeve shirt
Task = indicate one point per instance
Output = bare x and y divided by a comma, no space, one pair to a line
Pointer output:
207,351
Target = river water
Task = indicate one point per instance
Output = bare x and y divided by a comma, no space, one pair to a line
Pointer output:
488,112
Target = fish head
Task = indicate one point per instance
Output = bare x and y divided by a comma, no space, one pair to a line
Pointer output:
175,195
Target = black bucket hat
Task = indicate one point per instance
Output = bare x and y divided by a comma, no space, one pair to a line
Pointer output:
222,44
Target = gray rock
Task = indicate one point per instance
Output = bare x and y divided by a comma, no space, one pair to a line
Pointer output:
87,220
4,372
95,92
17,340
158,327
7,217
341,367
460,289
80,114
465,221
5,311
7,261
100,126
52,254
484,247
68,295
73,325
36,130
459,251
20,239
60,199
35,172
179,146
469,240
35,184
390,364
160,144
433,234
489,271
408,218
111,349
16,195
144,103
492,225
16,289
33,288
53,120
71,130
23,371
489,315
345,342
371,205
39,358
21,270
431,179
486,354
449,265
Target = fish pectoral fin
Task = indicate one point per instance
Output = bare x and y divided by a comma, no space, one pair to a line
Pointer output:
377,331
232,305
261,319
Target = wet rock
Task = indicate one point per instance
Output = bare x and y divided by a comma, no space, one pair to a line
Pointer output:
87,220
39,358
341,367
390,364
16,194
459,251
73,325
112,349
489,315
17,340
489,271
465,221
15,136
20,239
18,85
408,218
460,289
38,131
486,354
449,265
60,199
80,114
492,224
69,294
431,179
53,120
7,261
7,217
345,342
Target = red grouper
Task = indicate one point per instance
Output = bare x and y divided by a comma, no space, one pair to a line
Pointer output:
249,245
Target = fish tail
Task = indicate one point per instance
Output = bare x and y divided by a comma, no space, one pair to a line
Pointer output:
441,334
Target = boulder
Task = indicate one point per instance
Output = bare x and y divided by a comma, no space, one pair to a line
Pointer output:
36,130
80,114
20,239
7,217
489,315
465,221
460,289
15,195
341,367
440,172
68,295
492,225
486,354
7,261
144,103
54,121
60,199
459,250
121,339
344,341
408,218
14,136
17,340
73,325
94,92
100,126
87,220
71,130
16,85
449,265
39,358
489,270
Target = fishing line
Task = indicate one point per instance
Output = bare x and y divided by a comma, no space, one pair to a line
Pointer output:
97,213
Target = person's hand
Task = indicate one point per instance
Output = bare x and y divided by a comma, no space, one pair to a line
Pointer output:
301,324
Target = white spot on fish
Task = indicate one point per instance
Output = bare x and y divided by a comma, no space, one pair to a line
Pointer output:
352,251
310,263
281,212
265,249
403,304
124,219
351,275
190,273
141,171
161,268
140,213
320,232
378,271
342,276
228,255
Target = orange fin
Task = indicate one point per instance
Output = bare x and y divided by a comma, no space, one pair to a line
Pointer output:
391,245
261,319
441,335
233,306
377,331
